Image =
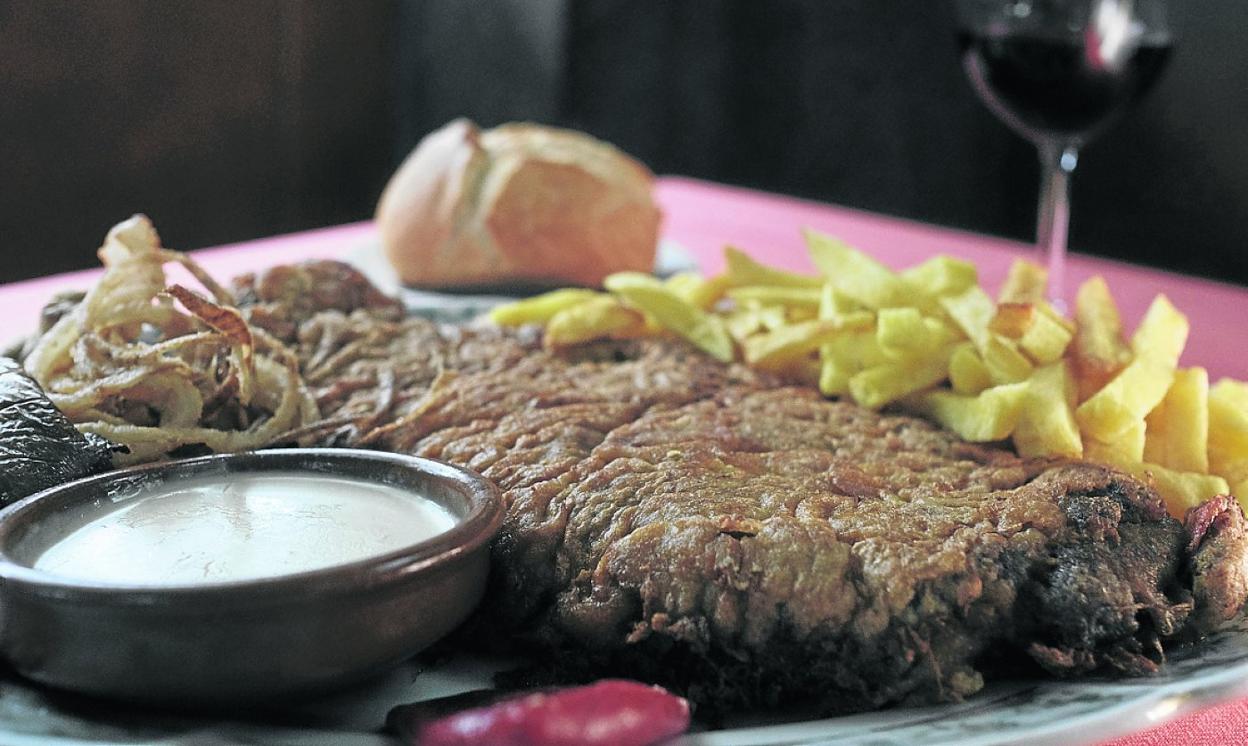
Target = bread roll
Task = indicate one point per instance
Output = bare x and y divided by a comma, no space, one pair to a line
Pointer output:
517,204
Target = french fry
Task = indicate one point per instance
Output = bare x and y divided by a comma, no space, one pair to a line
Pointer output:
1124,401
540,308
601,317
1016,369
1024,284
1123,451
989,416
1177,435
1004,362
1046,424
967,373
647,294
1047,309
1047,338
849,353
972,310
742,322
783,348
834,374
1228,435
1099,350
1181,490
697,290
881,384
941,275
903,332
845,356
777,295
1013,320
832,303
1162,332
742,270
860,277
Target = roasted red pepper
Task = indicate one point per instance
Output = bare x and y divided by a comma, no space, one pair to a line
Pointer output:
614,712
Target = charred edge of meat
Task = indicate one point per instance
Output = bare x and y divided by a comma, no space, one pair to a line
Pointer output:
1110,591
1217,560
1097,600
279,299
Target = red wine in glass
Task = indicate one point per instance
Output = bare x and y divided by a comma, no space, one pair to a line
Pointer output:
1053,88
1058,72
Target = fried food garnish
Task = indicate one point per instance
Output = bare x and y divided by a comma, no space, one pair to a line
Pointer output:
128,365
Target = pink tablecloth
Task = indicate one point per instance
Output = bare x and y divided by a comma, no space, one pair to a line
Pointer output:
703,217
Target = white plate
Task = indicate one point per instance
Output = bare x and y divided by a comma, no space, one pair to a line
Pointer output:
1040,711
1008,712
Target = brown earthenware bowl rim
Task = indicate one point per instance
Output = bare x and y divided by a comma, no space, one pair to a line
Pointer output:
470,533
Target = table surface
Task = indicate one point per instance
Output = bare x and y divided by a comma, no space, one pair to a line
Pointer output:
704,217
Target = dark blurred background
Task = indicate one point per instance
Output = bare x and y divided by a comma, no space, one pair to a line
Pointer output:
235,119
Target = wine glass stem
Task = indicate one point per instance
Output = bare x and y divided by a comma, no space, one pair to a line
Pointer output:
1057,161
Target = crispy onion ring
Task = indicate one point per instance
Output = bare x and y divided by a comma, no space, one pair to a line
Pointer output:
158,367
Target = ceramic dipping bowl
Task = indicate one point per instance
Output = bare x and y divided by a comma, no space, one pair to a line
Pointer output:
240,641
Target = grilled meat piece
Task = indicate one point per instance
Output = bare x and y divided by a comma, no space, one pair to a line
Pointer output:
751,546
698,525
281,298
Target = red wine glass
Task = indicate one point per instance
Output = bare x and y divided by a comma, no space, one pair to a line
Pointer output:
1058,72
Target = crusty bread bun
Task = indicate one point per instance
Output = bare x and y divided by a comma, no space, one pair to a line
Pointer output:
520,203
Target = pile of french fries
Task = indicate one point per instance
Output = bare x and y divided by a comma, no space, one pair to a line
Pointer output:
930,340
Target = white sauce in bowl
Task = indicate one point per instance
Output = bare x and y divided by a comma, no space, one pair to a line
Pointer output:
246,526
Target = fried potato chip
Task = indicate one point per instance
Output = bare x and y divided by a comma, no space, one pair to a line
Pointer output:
540,308
600,317
1013,319
1124,450
882,384
1003,360
1228,434
742,270
649,295
1047,338
903,332
783,348
860,277
988,416
1100,352
1046,424
1162,333
1125,400
941,275
742,322
777,295
967,373
972,310
845,356
697,290
834,304
1025,284
1177,434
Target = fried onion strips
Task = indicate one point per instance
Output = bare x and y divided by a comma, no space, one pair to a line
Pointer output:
158,367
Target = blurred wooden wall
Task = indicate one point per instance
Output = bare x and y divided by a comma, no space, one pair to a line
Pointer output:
222,120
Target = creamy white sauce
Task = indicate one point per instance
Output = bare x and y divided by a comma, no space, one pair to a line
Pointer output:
243,527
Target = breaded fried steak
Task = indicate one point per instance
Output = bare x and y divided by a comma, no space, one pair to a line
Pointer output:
698,525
